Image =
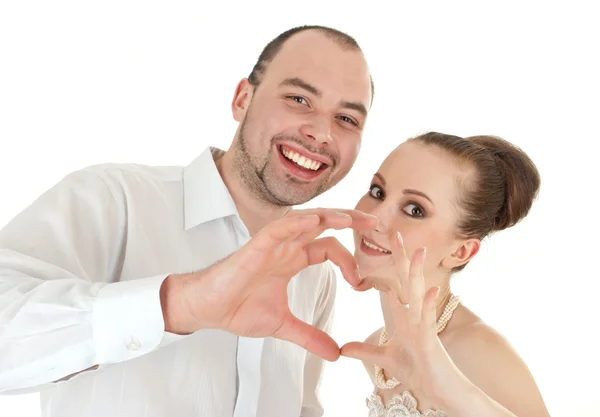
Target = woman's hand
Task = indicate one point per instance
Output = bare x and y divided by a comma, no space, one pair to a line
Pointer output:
413,354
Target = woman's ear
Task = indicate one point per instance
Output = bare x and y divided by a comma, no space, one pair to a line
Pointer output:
462,254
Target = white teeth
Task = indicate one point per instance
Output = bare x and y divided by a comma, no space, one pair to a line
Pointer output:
301,160
372,246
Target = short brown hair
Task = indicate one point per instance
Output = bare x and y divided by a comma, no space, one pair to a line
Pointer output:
503,188
270,51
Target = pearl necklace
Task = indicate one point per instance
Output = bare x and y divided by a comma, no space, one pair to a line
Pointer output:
441,324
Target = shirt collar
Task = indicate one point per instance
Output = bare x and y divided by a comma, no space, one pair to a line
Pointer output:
205,195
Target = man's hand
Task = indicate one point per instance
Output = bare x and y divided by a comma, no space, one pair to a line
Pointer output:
246,293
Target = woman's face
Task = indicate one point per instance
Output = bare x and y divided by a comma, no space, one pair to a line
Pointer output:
415,192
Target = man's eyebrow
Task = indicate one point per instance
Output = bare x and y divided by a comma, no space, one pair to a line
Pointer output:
359,107
298,82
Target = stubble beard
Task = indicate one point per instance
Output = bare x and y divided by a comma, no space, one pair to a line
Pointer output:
256,173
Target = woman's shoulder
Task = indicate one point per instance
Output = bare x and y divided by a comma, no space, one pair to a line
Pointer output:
467,332
490,362
470,341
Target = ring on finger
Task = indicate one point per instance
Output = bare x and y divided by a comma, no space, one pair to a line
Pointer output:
404,305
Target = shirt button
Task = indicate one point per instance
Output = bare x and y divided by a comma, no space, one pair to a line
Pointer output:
134,345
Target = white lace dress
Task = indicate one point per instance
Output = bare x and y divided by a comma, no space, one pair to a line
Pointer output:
404,405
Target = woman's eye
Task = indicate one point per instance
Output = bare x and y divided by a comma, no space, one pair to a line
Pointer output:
414,210
376,192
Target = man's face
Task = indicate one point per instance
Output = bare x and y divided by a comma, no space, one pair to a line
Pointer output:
301,129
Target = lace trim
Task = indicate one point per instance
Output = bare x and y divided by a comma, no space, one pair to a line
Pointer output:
404,405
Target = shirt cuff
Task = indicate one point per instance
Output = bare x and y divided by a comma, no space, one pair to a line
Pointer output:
127,320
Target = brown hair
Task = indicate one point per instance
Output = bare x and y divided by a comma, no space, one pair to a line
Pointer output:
503,188
270,51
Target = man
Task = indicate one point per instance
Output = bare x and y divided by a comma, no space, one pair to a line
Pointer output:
129,290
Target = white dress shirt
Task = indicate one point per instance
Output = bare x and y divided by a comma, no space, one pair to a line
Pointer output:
80,272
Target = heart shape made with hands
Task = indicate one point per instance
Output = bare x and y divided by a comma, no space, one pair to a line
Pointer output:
246,293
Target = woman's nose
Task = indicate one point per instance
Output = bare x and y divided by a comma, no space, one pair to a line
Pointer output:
383,212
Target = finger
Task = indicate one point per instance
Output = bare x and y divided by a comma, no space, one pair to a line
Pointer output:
359,220
382,284
365,352
327,220
339,219
286,228
402,264
429,313
417,286
308,337
329,248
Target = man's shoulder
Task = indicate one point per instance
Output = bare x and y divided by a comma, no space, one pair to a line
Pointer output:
128,172
124,181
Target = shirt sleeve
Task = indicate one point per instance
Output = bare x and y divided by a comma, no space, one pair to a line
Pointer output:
62,309
314,365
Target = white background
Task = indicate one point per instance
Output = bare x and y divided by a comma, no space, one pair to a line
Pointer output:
151,82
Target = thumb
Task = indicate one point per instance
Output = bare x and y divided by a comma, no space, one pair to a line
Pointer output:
308,337
365,352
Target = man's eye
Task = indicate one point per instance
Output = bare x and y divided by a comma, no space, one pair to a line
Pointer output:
300,100
348,120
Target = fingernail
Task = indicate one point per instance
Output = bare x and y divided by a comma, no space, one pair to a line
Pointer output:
400,240
339,213
357,271
370,216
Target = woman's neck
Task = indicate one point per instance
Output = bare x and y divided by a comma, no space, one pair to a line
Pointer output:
442,299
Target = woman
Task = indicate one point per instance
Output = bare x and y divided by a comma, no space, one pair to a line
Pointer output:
437,196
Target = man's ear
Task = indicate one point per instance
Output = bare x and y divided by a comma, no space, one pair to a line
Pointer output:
241,99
